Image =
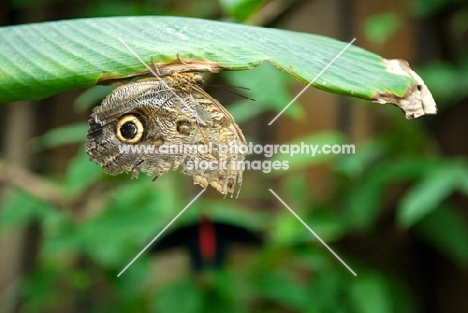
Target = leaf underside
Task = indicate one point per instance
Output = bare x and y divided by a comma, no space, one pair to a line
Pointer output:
44,59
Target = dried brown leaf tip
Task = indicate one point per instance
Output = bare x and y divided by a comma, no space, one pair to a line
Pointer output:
417,100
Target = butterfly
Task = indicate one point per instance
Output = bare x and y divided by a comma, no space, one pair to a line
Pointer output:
135,126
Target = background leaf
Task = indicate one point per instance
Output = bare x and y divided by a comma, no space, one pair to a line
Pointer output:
370,294
270,94
428,194
182,296
380,27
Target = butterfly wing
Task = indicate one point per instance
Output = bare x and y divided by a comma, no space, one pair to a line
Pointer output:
152,105
147,125
224,137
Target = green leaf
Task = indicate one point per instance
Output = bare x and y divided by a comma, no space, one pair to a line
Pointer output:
134,214
354,165
288,230
60,243
446,230
229,212
273,286
370,294
179,297
380,27
298,190
19,209
225,294
325,288
365,198
241,9
43,59
91,97
69,134
428,194
37,288
268,87
308,151
81,173
447,80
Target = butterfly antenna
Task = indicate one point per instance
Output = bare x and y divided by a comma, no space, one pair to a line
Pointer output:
222,87
237,87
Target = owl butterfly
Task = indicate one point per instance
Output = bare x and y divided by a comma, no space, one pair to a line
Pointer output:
150,114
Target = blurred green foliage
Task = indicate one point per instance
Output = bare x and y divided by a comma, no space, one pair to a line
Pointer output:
380,27
106,220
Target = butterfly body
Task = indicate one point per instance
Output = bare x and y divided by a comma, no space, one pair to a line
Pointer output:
133,124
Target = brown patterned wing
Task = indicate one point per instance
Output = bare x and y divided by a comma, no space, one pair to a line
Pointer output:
151,126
